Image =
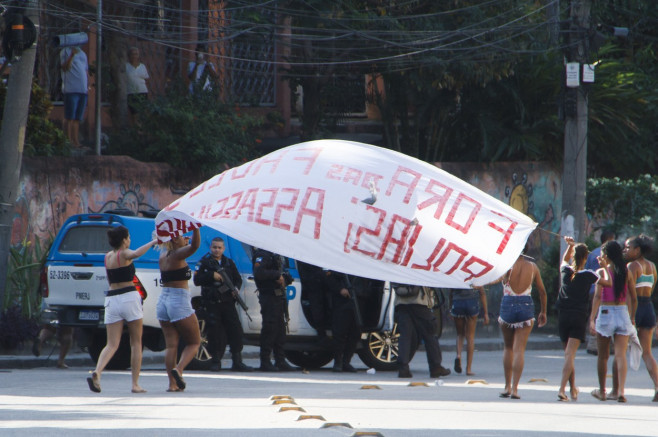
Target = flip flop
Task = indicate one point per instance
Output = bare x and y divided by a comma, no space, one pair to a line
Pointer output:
141,390
574,394
93,385
504,395
173,390
562,398
515,397
622,399
180,382
611,397
598,395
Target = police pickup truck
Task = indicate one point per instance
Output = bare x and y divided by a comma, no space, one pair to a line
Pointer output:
73,285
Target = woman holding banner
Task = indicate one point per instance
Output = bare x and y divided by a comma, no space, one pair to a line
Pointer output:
517,317
174,308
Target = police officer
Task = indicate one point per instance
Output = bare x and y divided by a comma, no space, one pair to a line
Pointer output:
269,277
313,279
219,303
413,312
345,329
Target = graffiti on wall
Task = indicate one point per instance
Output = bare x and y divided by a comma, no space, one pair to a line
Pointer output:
131,199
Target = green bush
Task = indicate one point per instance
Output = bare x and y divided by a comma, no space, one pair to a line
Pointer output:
196,132
42,137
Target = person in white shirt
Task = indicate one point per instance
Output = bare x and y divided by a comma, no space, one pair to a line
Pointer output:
136,77
201,72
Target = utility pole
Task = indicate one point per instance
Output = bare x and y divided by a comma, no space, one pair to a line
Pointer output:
574,175
12,139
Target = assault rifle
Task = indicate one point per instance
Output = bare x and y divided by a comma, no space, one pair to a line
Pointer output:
234,292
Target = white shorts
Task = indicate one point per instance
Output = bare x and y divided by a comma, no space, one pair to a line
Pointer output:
127,306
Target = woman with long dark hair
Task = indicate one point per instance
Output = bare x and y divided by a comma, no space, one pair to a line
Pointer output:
612,315
572,305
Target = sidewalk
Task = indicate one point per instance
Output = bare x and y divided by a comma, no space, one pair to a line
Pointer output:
24,359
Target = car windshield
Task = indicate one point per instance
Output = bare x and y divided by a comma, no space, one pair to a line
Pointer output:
88,239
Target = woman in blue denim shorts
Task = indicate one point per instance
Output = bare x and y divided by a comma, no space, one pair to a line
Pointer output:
465,308
174,308
517,317
611,316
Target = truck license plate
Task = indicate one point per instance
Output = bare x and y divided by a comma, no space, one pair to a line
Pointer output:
89,315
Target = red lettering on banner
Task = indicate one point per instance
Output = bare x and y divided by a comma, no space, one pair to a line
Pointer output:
433,255
274,159
451,247
372,232
507,233
220,177
353,175
375,178
220,210
285,206
248,203
486,267
400,243
313,212
311,159
412,242
334,172
163,229
237,196
346,243
411,186
198,190
471,218
440,199
235,173
263,205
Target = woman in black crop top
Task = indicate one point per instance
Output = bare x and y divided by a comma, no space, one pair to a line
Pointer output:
122,304
174,309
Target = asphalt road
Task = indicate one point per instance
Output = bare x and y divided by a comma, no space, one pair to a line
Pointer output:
53,402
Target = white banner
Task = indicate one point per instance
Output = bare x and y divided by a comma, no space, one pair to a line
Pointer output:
361,210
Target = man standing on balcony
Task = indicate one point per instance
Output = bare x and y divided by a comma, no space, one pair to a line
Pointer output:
74,68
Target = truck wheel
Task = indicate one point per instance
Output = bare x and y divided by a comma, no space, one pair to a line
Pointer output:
380,349
203,358
121,358
310,359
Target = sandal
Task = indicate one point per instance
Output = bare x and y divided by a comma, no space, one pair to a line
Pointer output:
180,382
94,384
458,365
562,397
504,395
621,398
598,394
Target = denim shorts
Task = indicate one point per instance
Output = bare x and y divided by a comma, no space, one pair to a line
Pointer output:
645,316
126,306
517,311
174,304
614,319
74,106
465,307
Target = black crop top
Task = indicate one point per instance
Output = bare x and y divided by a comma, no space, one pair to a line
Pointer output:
182,274
121,274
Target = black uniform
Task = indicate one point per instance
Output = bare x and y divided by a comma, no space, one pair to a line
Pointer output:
345,329
314,283
268,274
222,322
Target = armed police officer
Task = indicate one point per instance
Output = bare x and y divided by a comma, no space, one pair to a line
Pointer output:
345,327
272,281
220,281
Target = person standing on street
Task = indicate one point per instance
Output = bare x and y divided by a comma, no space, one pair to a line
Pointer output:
593,265
271,282
414,316
572,305
517,317
123,304
75,88
465,307
174,308
344,327
219,303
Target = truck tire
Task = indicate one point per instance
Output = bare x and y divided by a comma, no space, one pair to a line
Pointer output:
121,358
380,349
310,359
